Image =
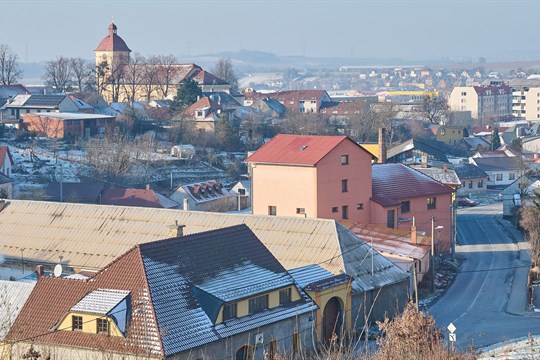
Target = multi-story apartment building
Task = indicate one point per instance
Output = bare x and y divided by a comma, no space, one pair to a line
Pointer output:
525,98
486,103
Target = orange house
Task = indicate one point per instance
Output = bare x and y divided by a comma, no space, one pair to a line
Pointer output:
312,176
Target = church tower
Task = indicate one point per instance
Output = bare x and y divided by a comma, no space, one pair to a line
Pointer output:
113,50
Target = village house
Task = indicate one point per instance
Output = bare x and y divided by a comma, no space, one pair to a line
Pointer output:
86,238
501,171
204,196
6,161
207,111
472,178
60,125
228,293
30,104
416,152
303,101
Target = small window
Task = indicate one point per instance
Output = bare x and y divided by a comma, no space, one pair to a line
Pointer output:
345,212
360,206
390,218
102,326
344,159
284,296
405,207
344,185
76,323
258,304
431,203
480,183
470,184
272,210
499,177
242,191
335,209
512,176
301,211
229,311
28,111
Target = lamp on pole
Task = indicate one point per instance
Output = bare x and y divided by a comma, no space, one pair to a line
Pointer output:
433,228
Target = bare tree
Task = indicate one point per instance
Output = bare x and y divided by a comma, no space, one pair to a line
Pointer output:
223,69
150,75
58,73
433,109
530,222
365,125
132,77
167,73
82,72
101,72
306,124
10,72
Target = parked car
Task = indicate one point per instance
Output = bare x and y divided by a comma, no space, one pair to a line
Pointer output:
465,201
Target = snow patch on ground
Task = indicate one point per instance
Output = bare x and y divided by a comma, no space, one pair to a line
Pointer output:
517,349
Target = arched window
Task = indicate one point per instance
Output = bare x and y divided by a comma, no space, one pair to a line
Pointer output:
244,353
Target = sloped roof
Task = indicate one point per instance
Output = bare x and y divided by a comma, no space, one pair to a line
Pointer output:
13,296
112,42
77,192
8,91
496,164
297,149
206,78
373,149
5,153
136,197
444,176
45,101
90,236
397,181
423,146
469,171
82,105
205,191
163,278
343,108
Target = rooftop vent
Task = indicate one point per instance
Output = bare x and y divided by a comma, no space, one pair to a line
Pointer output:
303,147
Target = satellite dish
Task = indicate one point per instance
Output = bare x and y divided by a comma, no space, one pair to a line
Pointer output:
58,270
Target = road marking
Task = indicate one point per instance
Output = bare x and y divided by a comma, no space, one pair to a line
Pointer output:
486,276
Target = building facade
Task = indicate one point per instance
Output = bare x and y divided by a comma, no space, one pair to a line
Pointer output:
486,103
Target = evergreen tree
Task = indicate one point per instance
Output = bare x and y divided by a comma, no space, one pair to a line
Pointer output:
226,137
187,94
495,139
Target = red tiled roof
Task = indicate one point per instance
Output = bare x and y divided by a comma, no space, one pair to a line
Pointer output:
125,273
296,149
206,78
343,108
397,181
3,151
112,42
133,197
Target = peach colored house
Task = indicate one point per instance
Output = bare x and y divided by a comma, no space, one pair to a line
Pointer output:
401,192
312,176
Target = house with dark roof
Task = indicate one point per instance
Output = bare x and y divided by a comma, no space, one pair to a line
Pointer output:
83,192
209,82
207,111
473,179
30,104
205,196
501,171
311,176
216,292
415,151
401,193
444,175
8,92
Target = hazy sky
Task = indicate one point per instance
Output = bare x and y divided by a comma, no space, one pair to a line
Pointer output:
421,29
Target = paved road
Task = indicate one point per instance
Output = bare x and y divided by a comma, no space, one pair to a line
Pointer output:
487,300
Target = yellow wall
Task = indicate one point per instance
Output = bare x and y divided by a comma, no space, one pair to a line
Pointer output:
89,324
273,301
343,293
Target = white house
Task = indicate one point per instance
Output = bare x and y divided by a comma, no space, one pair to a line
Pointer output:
501,171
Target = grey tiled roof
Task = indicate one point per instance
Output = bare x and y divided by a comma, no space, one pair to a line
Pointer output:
444,176
469,171
100,301
191,277
498,164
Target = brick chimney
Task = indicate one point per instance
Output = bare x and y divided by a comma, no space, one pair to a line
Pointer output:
414,235
382,146
39,271
176,230
147,186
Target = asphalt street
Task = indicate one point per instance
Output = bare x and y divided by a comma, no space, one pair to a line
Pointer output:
488,299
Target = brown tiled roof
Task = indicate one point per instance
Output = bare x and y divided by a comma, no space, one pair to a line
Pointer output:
135,197
297,149
397,181
205,78
39,317
112,42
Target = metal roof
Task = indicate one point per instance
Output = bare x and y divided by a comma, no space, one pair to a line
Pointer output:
73,116
100,301
13,296
445,176
91,236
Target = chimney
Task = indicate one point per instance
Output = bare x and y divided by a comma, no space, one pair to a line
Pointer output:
382,146
424,160
445,167
176,230
39,271
147,186
186,204
414,235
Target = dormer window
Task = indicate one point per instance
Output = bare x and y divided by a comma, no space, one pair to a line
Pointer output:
76,323
102,326
258,304
230,311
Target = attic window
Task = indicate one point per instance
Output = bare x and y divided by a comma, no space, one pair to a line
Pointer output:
303,147
229,311
102,326
76,323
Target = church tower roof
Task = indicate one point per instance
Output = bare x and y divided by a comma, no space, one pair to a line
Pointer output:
112,42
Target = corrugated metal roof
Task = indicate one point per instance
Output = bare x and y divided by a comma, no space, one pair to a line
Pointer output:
91,236
13,296
100,301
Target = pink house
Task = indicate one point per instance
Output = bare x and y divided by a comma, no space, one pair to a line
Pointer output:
401,193
312,176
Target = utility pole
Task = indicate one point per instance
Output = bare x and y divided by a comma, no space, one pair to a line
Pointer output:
415,285
432,254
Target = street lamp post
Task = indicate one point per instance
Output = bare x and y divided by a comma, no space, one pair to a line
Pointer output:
433,228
